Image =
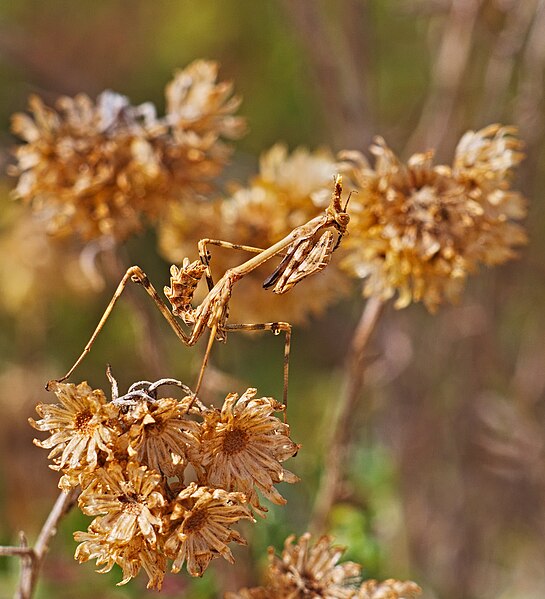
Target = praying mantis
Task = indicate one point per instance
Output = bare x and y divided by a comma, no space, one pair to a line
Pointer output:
305,251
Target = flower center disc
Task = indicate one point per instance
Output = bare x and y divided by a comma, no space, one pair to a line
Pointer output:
235,441
195,522
82,419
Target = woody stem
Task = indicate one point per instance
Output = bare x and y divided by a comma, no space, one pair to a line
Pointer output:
340,441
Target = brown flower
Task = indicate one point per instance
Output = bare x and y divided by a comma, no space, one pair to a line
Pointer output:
201,527
244,445
289,190
388,589
129,502
307,570
136,554
418,230
198,105
96,169
161,435
80,426
312,571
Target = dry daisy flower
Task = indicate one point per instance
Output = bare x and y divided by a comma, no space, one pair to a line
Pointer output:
312,571
96,169
198,105
289,190
80,426
306,571
388,589
129,457
131,557
243,446
160,435
201,527
128,501
418,229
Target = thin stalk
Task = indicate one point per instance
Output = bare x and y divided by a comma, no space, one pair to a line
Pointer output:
340,437
32,557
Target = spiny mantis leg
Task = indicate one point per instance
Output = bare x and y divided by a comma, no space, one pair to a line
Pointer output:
205,255
135,275
276,327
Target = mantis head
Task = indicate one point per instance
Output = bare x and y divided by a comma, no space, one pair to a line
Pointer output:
339,217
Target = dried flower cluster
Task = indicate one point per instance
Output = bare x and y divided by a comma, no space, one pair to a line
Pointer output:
96,169
130,457
312,571
289,190
418,229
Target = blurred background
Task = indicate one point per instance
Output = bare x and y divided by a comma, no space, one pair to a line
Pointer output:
446,478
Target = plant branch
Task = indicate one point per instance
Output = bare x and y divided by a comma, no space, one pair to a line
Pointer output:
33,557
338,51
452,59
340,437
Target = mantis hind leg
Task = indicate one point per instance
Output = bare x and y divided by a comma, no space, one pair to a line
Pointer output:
276,328
133,275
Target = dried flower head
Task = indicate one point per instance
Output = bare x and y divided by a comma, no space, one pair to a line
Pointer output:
198,105
129,456
418,230
161,436
95,544
201,523
388,589
96,169
289,190
243,446
80,426
312,571
128,501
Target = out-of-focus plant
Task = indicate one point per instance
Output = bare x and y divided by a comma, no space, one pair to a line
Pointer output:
307,569
98,169
419,229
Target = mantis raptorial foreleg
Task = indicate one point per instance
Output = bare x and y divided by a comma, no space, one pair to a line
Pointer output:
205,254
275,327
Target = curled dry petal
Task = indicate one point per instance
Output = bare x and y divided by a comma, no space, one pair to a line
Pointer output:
201,527
244,445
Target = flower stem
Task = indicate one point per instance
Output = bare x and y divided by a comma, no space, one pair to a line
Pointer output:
33,557
340,436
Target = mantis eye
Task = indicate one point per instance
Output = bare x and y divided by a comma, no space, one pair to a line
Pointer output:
343,219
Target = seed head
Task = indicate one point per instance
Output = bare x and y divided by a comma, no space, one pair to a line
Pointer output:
98,169
418,230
